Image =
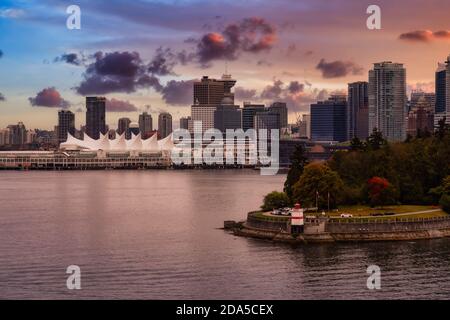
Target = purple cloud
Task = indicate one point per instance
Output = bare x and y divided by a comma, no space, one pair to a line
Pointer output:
338,68
178,92
251,35
425,35
116,72
50,98
115,105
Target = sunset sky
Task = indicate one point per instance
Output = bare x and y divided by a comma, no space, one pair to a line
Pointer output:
143,54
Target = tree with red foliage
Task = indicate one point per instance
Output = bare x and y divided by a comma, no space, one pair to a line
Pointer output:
381,192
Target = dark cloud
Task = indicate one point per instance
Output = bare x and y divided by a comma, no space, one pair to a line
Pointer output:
242,94
163,62
70,58
337,69
250,35
425,35
273,91
116,72
1,53
296,87
2,97
49,97
178,92
294,94
443,34
115,105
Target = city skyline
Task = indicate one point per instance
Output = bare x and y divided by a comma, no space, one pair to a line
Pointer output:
289,60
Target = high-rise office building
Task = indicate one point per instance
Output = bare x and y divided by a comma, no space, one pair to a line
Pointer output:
441,88
95,116
227,116
209,91
430,97
358,110
145,125
18,134
329,119
184,122
208,95
122,127
281,109
164,124
421,116
66,124
266,120
387,100
248,113
5,137
447,92
304,126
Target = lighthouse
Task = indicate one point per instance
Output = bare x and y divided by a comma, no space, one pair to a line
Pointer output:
297,220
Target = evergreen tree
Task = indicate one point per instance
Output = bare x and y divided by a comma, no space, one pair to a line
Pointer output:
298,162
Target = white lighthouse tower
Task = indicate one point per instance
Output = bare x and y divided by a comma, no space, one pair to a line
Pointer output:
297,219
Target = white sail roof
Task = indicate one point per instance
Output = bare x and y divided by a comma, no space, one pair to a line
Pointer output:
136,143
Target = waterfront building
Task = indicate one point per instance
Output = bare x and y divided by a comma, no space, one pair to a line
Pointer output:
145,124
441,88
387,100
329,119
95,116
66,124
281,109
164,124
248,113
358,110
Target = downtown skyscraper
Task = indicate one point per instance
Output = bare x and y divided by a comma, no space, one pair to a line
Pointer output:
95,116
387,100
329,119
164,124
208,95
358,110
66,124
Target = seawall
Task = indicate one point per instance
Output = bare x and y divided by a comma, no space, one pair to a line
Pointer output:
333,230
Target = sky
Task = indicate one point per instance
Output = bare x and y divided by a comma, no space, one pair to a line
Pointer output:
143,55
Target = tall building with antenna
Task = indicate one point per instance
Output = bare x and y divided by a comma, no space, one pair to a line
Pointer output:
209,94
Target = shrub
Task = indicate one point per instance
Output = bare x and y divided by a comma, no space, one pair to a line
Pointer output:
275,200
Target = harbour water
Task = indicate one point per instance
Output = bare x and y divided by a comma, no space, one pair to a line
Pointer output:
156,235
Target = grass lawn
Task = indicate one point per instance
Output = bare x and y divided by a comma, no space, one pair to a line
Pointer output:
365,211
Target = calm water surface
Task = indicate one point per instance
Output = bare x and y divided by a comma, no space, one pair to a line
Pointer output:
154,235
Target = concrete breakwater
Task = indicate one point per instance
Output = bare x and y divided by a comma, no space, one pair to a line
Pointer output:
331,229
